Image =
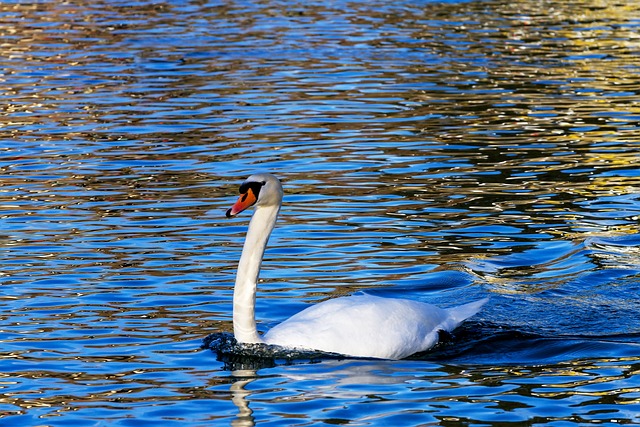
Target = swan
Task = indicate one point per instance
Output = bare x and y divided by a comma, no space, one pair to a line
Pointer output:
358,325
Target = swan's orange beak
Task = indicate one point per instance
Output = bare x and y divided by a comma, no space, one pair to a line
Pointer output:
244,201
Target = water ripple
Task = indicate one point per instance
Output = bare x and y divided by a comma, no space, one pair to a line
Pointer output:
440,151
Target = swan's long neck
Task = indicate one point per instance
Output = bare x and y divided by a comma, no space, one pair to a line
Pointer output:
244,293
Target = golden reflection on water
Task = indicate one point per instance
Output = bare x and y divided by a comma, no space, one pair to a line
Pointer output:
592,378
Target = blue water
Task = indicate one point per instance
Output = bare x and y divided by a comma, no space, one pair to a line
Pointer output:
437,151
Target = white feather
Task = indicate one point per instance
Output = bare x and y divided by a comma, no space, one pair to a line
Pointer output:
369,326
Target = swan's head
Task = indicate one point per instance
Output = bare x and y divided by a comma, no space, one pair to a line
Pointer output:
261,189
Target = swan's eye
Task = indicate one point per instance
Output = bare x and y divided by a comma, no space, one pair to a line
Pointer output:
255,186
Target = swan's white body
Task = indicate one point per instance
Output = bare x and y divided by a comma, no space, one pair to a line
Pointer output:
359,325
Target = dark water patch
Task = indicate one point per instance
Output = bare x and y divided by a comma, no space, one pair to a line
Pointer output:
243,356
489,344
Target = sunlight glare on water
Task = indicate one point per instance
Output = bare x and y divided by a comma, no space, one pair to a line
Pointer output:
440,151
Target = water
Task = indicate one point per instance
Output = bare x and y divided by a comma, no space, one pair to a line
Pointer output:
438,151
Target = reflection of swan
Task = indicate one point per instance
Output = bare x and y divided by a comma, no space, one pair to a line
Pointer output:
239,398
359,325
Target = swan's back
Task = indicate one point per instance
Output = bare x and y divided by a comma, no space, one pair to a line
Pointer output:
369,326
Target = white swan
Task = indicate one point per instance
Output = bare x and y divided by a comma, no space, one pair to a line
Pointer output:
359,325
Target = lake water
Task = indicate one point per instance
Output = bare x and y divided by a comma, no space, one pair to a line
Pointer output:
441,151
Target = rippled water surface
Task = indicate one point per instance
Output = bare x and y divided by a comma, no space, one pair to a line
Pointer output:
441,151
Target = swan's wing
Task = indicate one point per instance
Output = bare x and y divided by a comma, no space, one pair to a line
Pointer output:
462,312
364,326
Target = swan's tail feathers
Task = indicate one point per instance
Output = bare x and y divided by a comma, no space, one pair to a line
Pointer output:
463,312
